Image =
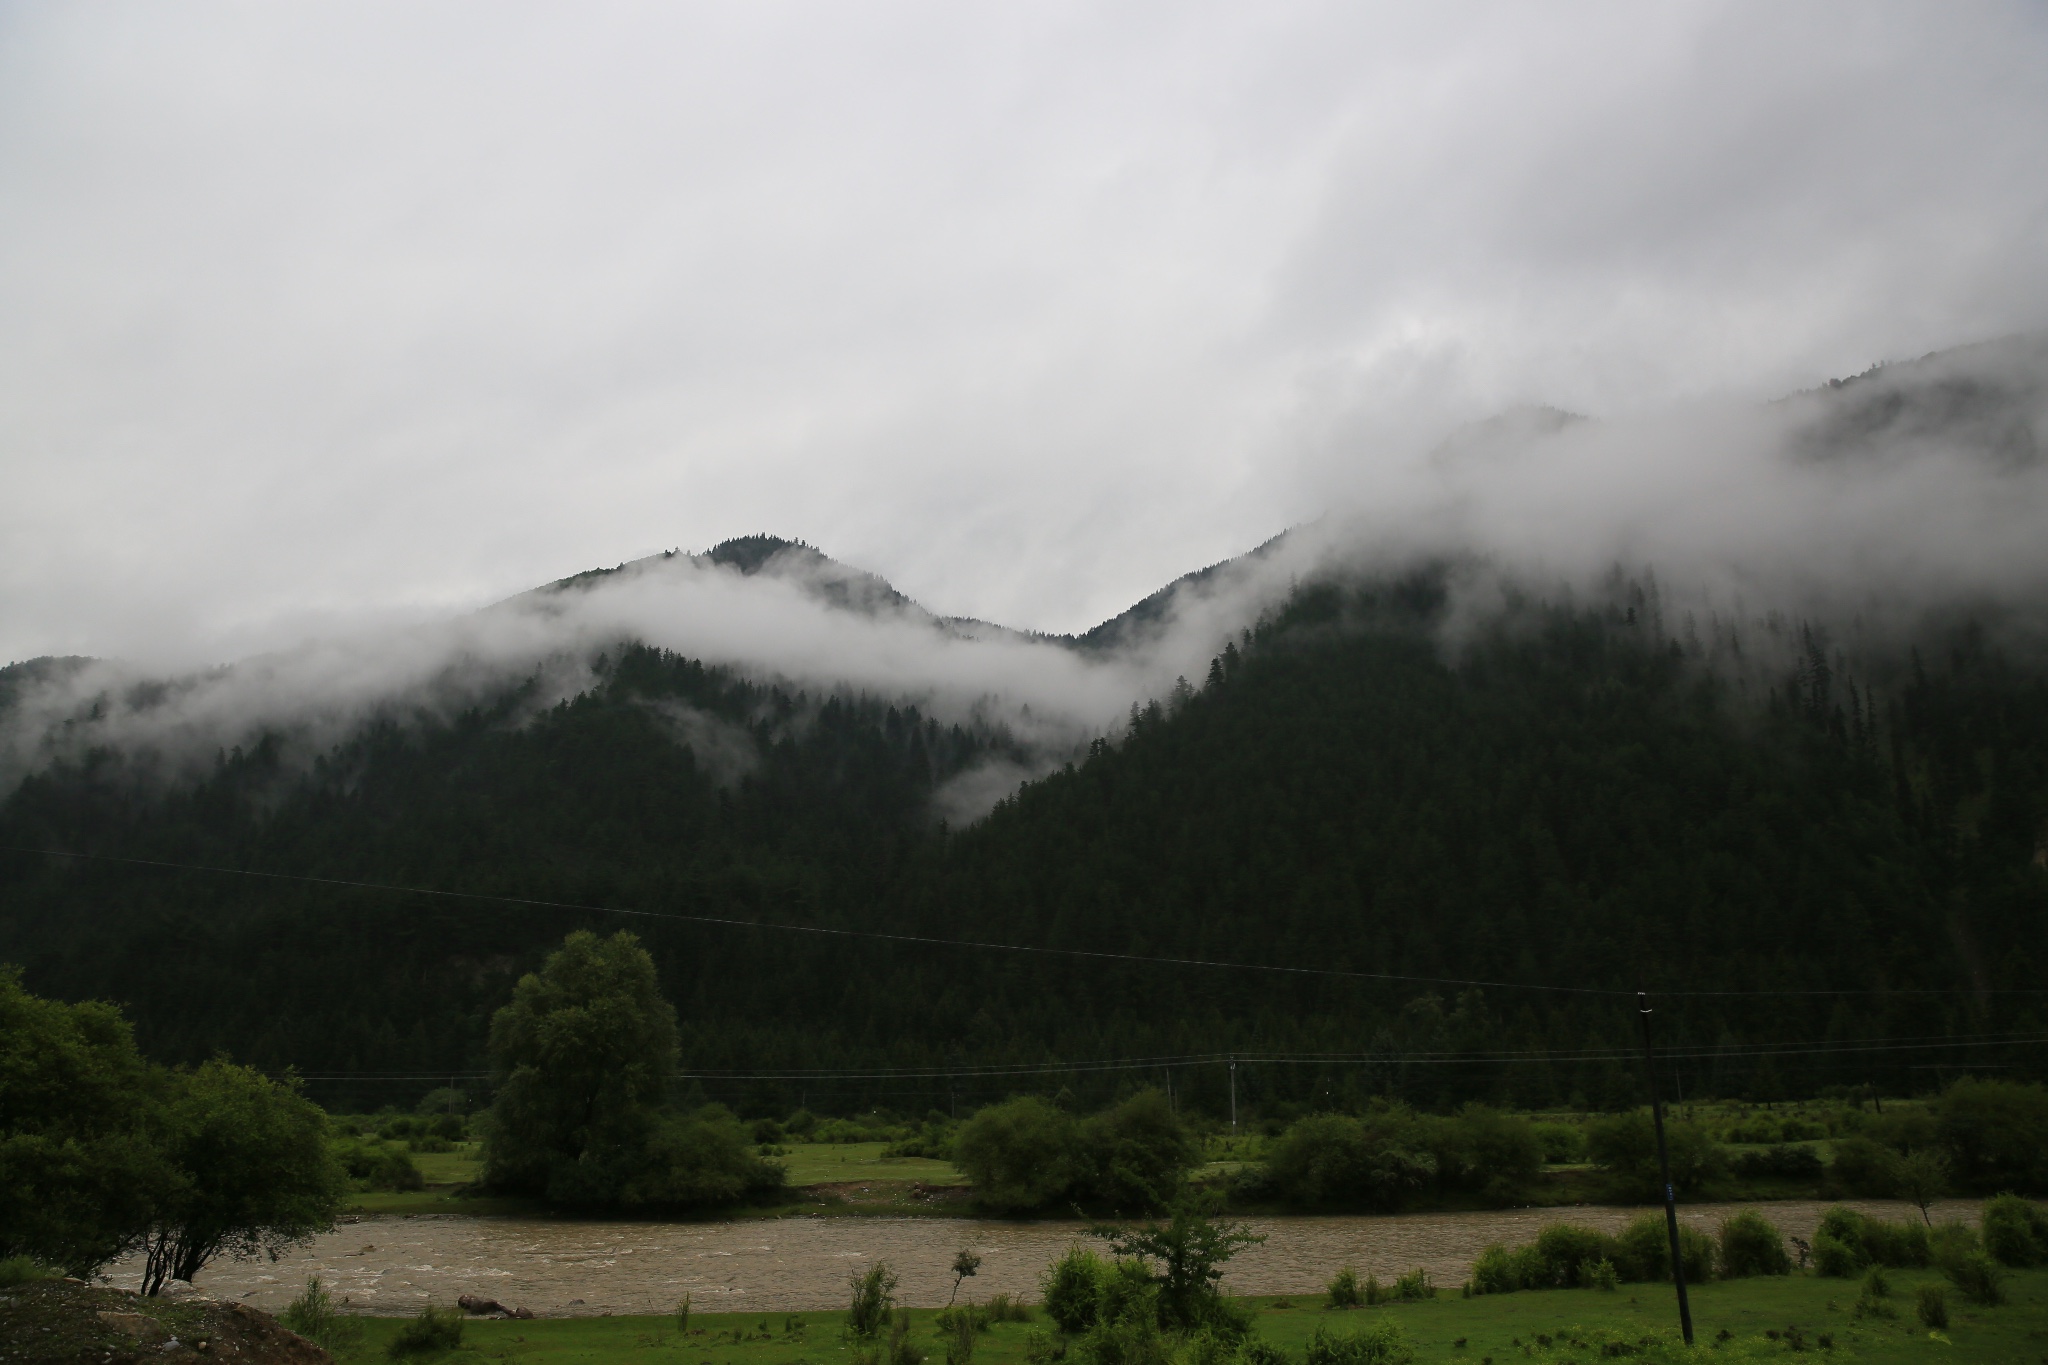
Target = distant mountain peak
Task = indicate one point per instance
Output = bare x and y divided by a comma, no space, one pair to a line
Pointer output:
750,554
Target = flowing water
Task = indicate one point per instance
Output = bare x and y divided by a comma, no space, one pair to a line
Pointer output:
785,1265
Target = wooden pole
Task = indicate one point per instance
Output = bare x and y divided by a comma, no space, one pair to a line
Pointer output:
1664,1167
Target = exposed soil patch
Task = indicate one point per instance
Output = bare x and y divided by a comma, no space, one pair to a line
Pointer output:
62,1322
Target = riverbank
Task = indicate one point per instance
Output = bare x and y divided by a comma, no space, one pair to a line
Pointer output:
1444,1329
561,1267
858,1180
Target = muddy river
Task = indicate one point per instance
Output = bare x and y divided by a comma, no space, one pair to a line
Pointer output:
561,1268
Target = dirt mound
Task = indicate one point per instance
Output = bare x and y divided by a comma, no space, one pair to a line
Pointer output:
62,1322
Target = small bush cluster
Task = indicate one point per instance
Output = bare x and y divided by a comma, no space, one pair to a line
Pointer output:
373,1165
1847,1242
1393,1156
1377,1343
316,1316
1560,1142
1027,1154
1752,1245
16,1271
433,1331
1568,1256
1874,1302
2015,1231
1775,1128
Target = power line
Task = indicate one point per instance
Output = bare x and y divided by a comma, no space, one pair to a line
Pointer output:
882,935
819,1075
927,940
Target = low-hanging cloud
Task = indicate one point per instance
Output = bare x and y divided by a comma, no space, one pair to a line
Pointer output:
1864,506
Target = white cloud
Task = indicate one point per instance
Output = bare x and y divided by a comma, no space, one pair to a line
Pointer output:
321,316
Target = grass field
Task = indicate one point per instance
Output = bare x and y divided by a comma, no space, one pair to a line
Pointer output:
1445,1329
823,1163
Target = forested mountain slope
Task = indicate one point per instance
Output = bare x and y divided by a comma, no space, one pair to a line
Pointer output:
1567,797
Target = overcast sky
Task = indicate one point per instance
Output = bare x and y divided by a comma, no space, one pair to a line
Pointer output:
318,315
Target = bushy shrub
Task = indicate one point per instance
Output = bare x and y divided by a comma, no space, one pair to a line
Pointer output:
1485,1151
1413,1287
1560,1254
1344,1290
1977,1278
1332,1160
2015,1231
1846,1242
871,1295
1602,1275
1930,1305
1781,1162
375,1166
1865,1167
16,1271
315,1316
1873,1302
1134,1340
434,1330
1560,1142
1377,1343
1643,1250
1752,1245
959,1328
1951,1241
1259,1351
1836,1258
1125,1289
1902,1244
1003,1308
1071,1290
1134,1157
1626,1146
1497,1271
1020,1155
1992,1131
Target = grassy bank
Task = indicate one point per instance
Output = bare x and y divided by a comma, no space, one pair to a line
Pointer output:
824,1177
1448,1329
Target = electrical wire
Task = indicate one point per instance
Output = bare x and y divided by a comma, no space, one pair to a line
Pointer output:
817,1075
1031,949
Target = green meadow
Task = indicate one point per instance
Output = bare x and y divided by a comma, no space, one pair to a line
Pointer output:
1812,1318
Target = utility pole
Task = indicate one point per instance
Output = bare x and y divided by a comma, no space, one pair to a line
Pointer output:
1233,1097
1664,1167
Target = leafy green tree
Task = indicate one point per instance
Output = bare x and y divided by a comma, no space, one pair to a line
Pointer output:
584,1055
1187,1253
1334,1160
1136,1155
256,1175
80,1173
1021,1155
1923,1178
1626,1146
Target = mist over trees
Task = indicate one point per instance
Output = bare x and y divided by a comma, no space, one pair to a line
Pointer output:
1596,790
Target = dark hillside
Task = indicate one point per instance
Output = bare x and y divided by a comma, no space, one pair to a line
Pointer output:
1569,799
